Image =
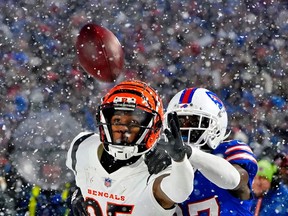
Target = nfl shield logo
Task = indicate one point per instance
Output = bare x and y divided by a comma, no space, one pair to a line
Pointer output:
108,182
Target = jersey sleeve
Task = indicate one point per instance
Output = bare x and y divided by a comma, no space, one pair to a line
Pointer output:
71,154
237,152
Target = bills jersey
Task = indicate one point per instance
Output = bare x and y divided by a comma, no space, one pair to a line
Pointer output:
126,191
207,199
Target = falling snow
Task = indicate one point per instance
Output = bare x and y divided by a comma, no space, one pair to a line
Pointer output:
235,48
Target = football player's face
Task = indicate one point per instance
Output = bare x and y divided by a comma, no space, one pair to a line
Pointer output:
260,185
125,127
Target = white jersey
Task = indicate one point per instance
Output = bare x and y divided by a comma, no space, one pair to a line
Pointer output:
127,191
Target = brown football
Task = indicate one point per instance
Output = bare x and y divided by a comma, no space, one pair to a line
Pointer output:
99,52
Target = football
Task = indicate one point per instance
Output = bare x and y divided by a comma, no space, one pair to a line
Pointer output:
99,52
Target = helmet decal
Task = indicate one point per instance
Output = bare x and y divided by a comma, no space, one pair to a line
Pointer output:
215,99
186,96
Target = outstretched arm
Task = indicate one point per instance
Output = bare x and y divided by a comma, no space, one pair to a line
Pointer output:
216,169
176,187
228,177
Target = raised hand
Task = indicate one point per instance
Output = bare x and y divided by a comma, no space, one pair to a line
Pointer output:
175,146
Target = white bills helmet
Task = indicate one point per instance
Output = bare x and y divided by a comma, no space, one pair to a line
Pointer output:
202,117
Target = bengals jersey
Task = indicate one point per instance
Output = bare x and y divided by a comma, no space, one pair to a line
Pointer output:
207,199
126,191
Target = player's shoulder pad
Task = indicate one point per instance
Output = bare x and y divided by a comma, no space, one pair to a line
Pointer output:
71,158
234,149
82,136
237,152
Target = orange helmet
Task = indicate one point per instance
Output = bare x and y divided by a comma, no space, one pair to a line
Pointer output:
137,97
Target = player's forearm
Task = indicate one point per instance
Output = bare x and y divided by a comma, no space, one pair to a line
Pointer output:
216,169
179,184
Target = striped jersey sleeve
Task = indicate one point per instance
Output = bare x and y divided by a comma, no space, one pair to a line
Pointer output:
237,152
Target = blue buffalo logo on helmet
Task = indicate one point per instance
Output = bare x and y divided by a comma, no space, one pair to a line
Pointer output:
183,106
215,99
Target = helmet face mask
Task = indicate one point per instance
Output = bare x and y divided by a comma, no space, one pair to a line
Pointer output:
193,127
202,117
135,101
140,123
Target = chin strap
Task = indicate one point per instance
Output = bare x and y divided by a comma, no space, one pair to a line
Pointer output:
120,152
227,135
215,139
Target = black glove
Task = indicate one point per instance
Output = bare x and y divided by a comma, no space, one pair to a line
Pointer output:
78,204
175,146
157,159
